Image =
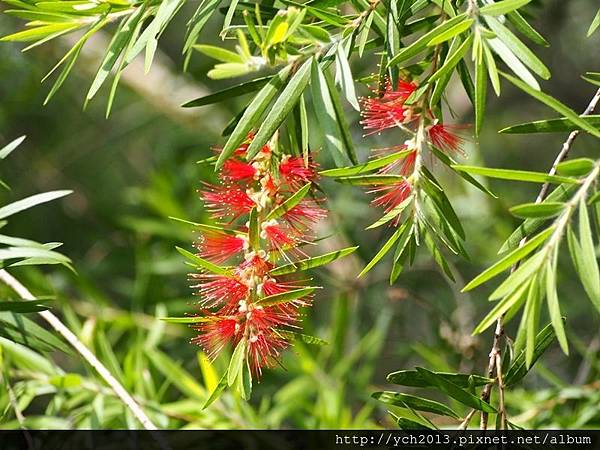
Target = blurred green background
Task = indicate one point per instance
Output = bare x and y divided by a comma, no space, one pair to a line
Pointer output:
132,171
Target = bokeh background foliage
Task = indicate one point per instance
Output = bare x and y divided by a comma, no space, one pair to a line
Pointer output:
132,171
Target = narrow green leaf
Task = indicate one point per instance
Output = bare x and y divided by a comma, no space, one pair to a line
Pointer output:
325,114
526,29
311,263
501,308
480,89
23,306
293,336
554,305
537,210
518,48
392,214
22,330
530,226
254,230
418,403
575,167
285,297
226,94
421,44
518,369
563,125
456,392
340,119
365,167
290,202
29,202
452,60
382,251
594,25
415,379
281,108
252,114
10,147
203,263
457,29
371,180
192,319
219,53
237,362
216,393
520,276
514,175
588,269
554,104
119,41
502,7
514,63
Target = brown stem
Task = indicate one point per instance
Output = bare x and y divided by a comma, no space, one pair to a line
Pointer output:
494,365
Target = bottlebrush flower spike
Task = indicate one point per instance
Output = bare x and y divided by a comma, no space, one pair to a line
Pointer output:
244,305
446,138
389,110
218,247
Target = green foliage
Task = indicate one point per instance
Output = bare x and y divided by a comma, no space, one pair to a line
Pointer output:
303,65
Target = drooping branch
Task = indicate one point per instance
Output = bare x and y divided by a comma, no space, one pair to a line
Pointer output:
91,359
495,352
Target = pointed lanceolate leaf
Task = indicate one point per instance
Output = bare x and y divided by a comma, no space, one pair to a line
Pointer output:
544,210
203,263
456,392
10,147
290,202
514,175
311,263
588,268
325,113
226,94
366,167
383,250
554,306
502,7
554,104
518,369
281,108
29,202
413,402
251,116
416,379
285,297
563,125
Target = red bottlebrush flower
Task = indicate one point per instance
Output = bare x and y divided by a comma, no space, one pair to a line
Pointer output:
408,163
263,350
388,111
279,236
224,201
218,246
294,170
220,291
402,91
390,196
237,170
216,333
445,138
305,213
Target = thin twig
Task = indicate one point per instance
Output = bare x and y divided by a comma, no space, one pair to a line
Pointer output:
495,353
61,329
